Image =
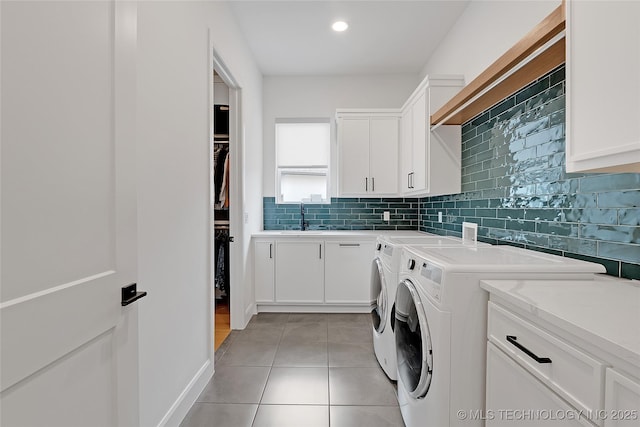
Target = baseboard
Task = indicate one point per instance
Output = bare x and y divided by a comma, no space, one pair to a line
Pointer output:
249,312
324,308
187,398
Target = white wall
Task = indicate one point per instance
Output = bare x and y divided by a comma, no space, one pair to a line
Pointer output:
485,31
319,96
173,202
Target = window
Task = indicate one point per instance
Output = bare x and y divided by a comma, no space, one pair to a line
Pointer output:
302,160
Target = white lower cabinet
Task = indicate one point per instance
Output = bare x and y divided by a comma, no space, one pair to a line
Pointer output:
299,275
309,274
565,369
534,371
621,401
566,351
517,398
346,271
264,260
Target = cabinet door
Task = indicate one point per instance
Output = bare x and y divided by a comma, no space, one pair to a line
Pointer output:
383,155
513,393
347,272
264,271
621,400
418,136
353,143
603,100
406,151
299,272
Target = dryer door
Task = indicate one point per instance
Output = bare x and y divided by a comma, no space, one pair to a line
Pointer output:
379,303
413,341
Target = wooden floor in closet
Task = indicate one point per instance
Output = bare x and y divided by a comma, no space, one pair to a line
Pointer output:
223,324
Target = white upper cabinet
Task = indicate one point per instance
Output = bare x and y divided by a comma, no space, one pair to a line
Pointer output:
368,153
603,86
406,151
353,143
430,159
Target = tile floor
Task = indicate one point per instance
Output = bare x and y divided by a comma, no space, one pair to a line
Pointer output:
298,370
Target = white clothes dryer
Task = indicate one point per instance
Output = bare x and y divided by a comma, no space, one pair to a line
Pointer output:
384,280
440,324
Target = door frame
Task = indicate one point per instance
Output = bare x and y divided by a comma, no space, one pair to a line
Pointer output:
236,151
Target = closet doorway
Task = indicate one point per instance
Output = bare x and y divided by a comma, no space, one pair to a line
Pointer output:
226,202
221,198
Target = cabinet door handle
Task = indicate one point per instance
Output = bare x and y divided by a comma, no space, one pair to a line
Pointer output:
349,244
409,180
366,184
373,184
320,253
512,339
270,250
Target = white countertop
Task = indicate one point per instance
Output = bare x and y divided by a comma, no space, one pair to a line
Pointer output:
603,312
337,233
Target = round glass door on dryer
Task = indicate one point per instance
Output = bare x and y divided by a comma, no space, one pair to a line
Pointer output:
384,279
422,333
379,300
413,341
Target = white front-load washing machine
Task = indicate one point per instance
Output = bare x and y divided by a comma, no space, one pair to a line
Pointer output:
440,325
384,280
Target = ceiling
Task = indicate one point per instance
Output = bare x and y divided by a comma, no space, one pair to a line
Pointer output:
384,36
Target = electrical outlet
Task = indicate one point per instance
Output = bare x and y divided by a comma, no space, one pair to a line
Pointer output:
439,216
386,216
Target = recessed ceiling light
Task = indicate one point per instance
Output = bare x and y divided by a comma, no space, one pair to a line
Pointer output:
340,26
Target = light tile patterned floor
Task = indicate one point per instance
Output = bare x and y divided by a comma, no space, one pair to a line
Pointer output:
298,370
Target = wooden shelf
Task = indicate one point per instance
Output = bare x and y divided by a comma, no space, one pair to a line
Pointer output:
463,106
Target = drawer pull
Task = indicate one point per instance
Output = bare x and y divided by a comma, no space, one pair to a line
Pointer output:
512,339
349,244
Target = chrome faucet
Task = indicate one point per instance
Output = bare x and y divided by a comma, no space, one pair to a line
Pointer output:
303,224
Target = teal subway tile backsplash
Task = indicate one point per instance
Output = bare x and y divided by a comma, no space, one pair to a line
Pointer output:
516,189
344,214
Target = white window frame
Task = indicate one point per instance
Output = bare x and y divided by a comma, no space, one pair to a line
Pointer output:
303,169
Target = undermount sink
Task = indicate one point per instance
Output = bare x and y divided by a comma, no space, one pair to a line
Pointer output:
302,232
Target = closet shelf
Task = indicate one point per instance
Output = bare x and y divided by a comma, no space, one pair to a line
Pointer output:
538,52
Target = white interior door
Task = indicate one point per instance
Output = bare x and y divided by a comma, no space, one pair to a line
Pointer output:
69,350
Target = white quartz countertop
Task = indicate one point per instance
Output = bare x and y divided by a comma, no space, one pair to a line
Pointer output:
337,233
603,312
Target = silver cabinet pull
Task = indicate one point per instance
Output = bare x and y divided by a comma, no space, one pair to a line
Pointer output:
320,247
373,184
349,244
270,250
366,184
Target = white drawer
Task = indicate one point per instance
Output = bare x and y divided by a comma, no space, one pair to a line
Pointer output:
572,374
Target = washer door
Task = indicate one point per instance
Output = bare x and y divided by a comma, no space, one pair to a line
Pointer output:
413,341
379,303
